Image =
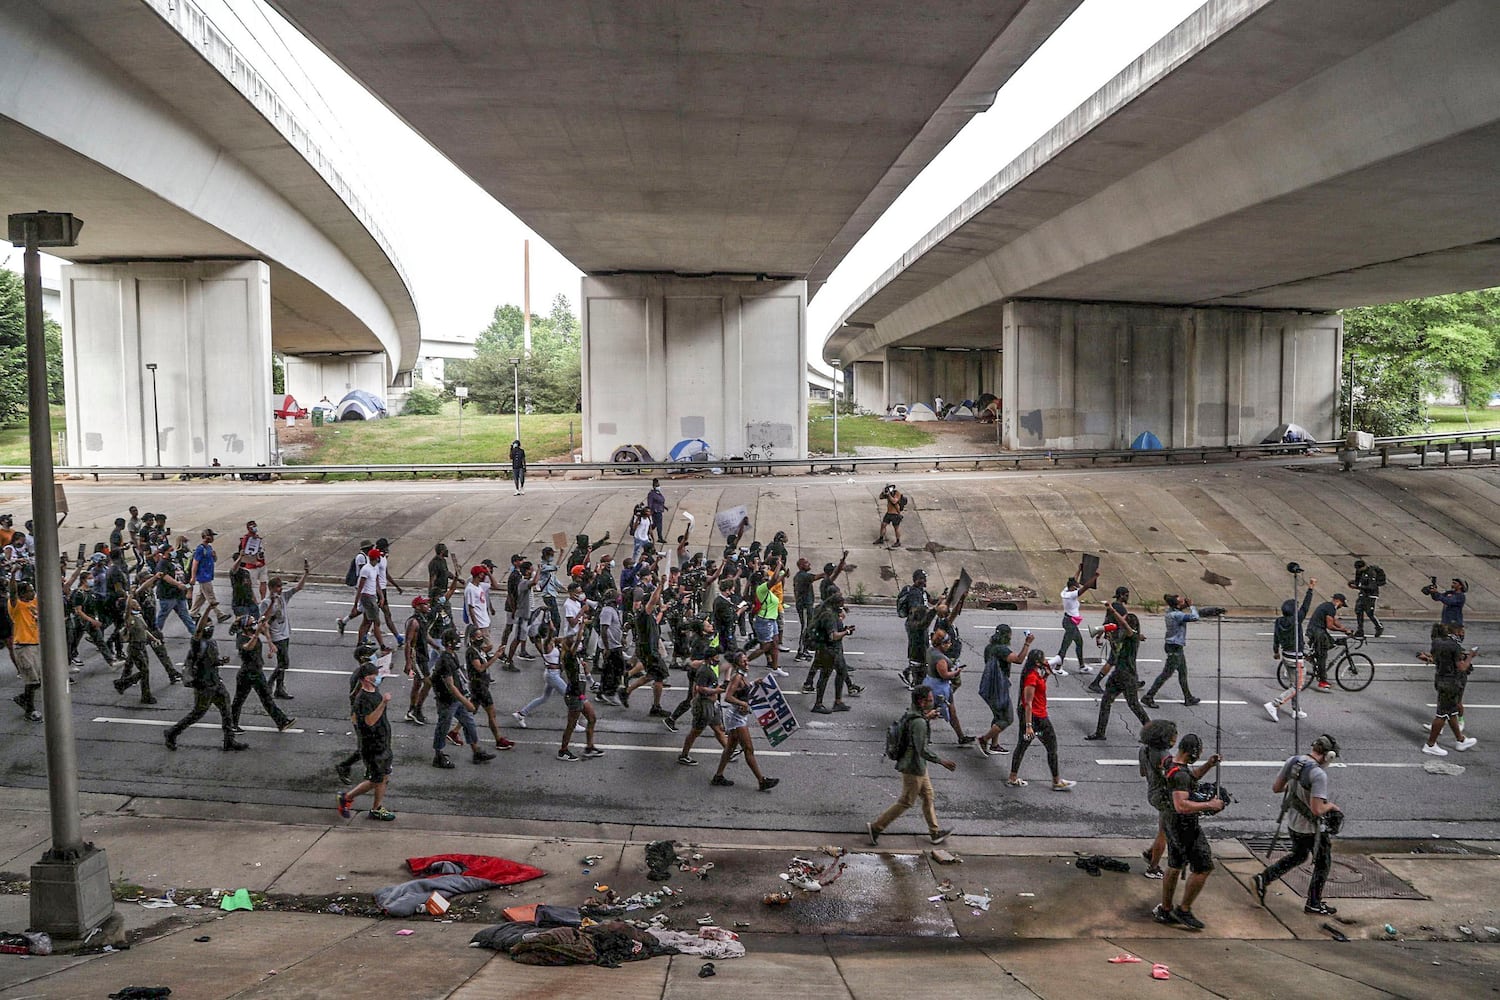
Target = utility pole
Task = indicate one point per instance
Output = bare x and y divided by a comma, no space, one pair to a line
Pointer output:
526,300
70,890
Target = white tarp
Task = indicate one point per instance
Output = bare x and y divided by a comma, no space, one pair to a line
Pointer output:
919,411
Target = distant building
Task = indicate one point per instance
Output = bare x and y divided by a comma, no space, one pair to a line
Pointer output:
820,382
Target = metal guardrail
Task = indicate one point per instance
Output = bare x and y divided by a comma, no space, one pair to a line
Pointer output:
1420,444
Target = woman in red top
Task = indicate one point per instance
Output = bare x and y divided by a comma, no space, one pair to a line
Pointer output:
1034,721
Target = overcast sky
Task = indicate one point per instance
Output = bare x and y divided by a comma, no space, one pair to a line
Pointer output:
459,279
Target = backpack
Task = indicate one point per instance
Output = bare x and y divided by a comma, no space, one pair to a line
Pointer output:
897,737
351,575
1379,575
902,502
903,601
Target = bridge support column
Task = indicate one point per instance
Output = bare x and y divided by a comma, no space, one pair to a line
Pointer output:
1087,375
205,324
668,357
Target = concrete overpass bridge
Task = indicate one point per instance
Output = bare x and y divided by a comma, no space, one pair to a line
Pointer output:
1169,256
216,229
706,165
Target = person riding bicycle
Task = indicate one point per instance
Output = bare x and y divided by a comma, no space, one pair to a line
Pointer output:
1325,621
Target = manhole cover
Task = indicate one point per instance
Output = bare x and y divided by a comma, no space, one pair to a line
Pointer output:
1352,876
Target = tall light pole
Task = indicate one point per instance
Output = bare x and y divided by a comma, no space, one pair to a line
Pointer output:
462,393
70,891
155,417
836,364
515,370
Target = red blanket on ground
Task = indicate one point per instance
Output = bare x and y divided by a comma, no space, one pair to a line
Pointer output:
497,870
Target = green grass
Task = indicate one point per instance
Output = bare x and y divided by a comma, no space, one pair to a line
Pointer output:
856,432
15,448
1451,419
434,440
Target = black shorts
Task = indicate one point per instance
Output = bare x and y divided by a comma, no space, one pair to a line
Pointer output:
377,765
482,697
1003,716
1187,845
574,702
892,519
656,668
1449,694
705,714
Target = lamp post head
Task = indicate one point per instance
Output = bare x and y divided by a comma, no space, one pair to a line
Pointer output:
151,366
515,361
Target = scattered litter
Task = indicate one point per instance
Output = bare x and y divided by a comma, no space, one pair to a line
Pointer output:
1124,958
25,943
1492,931
1390,929
943,857
707,970
1466,931
1334,932
341,878
156,903
335,908
405,932
142,993
239,899
713,933
437,904
975,899
741,924
1159,971
834,852
593,859
1026,895
203,940
1442,767
706,920
777,898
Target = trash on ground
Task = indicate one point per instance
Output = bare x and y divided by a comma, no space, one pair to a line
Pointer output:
239,899
25,943
777,898
1123,958
707,970
453,875
834,852
1466,931
142,993
976,899
405,932
1159,971
156,903
1334,932
943,857
203,939
1390,929
1442,767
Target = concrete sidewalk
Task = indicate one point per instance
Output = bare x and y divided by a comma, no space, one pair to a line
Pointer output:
1157,530
875,932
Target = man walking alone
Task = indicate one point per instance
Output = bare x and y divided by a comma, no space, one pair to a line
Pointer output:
915,784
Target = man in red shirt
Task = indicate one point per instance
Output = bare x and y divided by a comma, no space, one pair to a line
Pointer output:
253,548
1034,721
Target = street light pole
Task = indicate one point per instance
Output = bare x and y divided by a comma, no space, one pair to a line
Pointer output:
515,370
70,891
836,364
462,392
155,417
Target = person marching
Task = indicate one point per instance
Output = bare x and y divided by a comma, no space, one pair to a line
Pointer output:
1311,818
1034,722
1452,665
1072,617
736,715
137,638
368,710
1286,644
1122,680
279,627
202,670
916,736
1367,580
994,686
252,677
576,700
1180,611
450,688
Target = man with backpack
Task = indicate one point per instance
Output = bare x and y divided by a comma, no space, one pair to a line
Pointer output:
914,604
1187,846
906,743
895,506
1310,819
1367,580
202,670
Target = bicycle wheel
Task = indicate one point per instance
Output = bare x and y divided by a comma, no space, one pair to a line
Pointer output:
1354,672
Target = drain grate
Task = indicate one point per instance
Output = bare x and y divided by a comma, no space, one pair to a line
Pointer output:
1353,876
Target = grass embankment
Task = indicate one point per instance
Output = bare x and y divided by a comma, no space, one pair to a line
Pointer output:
1454,420
15,446
434,440
857,432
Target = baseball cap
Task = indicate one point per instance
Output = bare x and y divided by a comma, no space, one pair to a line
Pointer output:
1341,597
367,668
480,570
209,533
576,570
97,557
420,602
374,553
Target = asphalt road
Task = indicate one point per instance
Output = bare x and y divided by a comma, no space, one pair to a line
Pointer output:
834,776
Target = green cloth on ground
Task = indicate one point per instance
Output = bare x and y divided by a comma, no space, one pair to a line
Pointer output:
239,899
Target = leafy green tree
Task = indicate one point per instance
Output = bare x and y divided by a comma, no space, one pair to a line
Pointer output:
13,350
53,333
552,378
1397,355
278,375
422,401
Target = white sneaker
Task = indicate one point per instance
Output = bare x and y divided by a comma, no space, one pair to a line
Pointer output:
521,719
1300,714
1468,743
1270,708
1085,669
1059,671
1434,749
782,672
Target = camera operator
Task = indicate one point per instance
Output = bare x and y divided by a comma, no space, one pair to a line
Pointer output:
1320,629
895,505
1187,846
1180,611
1452,601
1311,820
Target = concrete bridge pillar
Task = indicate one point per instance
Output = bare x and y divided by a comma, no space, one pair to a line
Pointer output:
206,324
668,357
1094,375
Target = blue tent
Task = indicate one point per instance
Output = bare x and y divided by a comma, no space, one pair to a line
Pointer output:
690,450
1146,441
360,405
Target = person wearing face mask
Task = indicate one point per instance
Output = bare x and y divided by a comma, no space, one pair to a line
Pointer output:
253,558
1034,721
367,708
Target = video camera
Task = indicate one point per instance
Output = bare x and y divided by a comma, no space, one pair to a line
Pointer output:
1431,587
1211,612
1207,791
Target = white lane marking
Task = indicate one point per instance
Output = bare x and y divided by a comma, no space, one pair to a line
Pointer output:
167,723
705,754
1023,631
1263,763
301,670
1467,707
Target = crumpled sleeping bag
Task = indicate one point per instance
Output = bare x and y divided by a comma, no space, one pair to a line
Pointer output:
614,943
555,946
685,943
452,875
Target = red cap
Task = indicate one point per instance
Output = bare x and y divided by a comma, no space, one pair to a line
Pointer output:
374,553
480,570
576,570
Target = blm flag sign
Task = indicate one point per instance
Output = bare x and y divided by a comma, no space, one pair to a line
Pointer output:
772,711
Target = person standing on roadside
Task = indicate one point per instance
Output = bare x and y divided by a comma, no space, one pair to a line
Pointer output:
1303,783
915,753
518,467
279,628
895,505
368,711
1180,611
656,505
201,572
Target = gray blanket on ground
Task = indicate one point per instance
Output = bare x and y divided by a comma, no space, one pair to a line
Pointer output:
409,898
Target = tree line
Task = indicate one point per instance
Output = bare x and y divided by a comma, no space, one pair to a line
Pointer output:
551,378
13,350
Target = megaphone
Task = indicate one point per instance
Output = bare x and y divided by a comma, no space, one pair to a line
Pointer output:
1095,631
